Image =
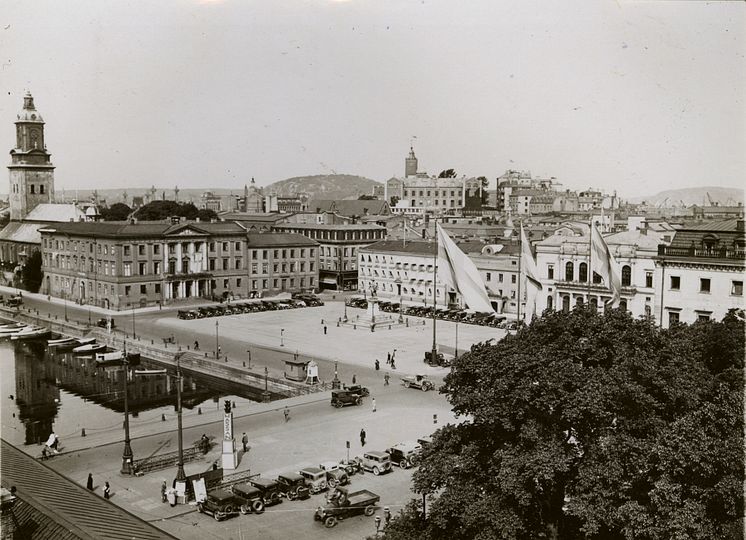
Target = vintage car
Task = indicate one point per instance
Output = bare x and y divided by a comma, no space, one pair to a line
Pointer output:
315,479
418,381
14,301
352,466
357,389
270,490
103,322
335,474
342,504
404,455
342,398
221,503
376,462
293,486
251,498
425,441
438,360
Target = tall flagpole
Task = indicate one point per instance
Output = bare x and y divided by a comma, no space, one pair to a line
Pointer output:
520,256
590,258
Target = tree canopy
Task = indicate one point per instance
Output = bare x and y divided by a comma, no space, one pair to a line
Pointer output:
587,426
447,173
116,212
31,274
158,210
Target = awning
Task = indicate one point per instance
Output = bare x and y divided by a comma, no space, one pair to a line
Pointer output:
329,281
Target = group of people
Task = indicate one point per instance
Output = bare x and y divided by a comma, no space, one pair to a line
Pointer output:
107,487
52,446
390,360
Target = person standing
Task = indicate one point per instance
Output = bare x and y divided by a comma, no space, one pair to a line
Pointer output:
362,437
286,412
324,329
378,365
388,359
353,378
164,488
386,379
196,345
89,484
393,364
107,490
245,441
373,401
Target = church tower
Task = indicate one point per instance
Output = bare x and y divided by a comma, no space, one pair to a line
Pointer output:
31,171
410,164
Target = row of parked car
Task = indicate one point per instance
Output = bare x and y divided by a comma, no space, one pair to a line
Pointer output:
301,300
457,315
259,492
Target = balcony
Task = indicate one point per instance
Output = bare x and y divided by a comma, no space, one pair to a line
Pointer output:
596,288
702,253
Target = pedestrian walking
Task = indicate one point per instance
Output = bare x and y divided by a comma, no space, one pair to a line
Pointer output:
196,345
353,378
89,484
286,412
388,359
44,453
220,351
324,329
393,365
164,488
107,490
386,378
245,441
362,437
378,365
373,401
386,516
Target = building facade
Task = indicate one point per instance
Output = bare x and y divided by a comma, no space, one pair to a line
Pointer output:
339,246
281,262
700,274
118,265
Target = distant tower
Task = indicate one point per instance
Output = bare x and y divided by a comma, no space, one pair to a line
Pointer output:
176,194
246,197
31,171
410,164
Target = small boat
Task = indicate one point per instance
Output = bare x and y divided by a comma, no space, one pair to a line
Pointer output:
62,342
89,348
9,329
31,332
150,372
110,357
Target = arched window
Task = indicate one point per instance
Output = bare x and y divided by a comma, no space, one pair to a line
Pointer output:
569,271
648,311
626,275
623,304
593,301
550,302
583,272
565,303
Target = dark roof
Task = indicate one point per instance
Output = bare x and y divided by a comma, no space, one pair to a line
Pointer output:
727,225
272,239
244,216
322,226
142,229
400,246
349,207
80,513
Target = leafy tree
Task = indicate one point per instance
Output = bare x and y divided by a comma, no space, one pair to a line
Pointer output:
31,274
485,183
205,214
157,210
367,198
116,212
586,426
447,173
187,210
394,199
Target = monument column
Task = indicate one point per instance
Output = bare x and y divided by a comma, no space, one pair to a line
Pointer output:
229,455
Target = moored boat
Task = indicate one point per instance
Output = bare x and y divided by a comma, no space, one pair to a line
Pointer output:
89,348
150,372
9,329
62,342
31,332
115,356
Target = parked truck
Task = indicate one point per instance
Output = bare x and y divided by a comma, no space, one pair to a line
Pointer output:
342,504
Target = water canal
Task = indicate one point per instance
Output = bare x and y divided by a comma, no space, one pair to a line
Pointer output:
43,391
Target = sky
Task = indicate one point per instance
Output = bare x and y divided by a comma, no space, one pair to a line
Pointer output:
635,97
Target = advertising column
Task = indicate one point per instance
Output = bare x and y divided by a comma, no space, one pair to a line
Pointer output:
229,455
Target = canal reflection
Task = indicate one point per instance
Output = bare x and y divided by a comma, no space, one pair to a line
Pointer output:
45,391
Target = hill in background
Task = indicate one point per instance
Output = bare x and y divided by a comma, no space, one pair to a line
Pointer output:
324,186
689,196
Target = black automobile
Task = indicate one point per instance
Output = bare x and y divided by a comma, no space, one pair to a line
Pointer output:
251,498
358,389
342,398
221,503
293,486
269,489
103,322
404,455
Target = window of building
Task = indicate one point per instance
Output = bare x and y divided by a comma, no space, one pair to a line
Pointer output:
238,264
703,316
127,269
583,272
275,283
550,271
265,283
512,278
254,268
675,284
550,302
143,289
141,249
648,279
225,246
238,282
126,251
157,288
569,271
226,283
157,267
212,246
310,266
225,264
489,276
32,189
237,246
673,317
626,276
736,288
623,304
211,264
142,269
156,249
41,189
127,289
704,285
265,268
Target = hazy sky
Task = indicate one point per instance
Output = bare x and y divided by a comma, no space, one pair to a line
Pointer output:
632,96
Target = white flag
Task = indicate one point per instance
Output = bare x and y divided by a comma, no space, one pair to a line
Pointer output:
528,266
604,264
456,269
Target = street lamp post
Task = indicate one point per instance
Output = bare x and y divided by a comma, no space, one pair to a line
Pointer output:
180,475
336,382
127,455
265,395
456,339
64,297
282,338
217,340
249,352
134,335
398,284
